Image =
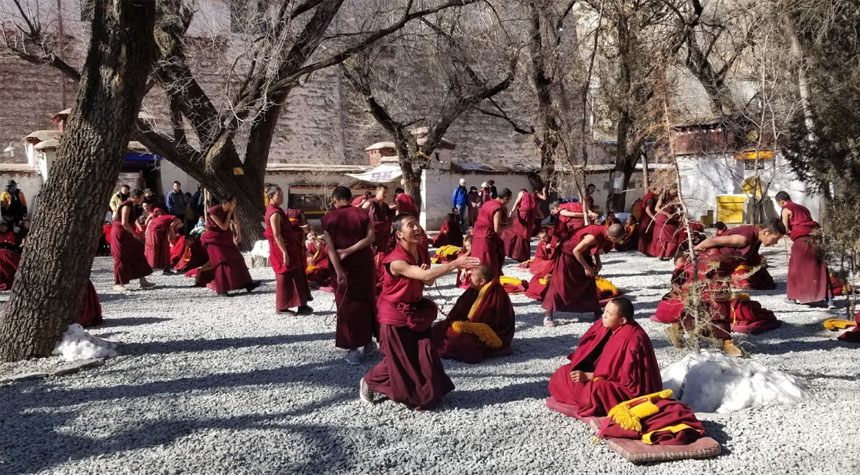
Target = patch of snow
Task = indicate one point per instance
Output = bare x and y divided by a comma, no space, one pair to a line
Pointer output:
261,249
714,382
78,345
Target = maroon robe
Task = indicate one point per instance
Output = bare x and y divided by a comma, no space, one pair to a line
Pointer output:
807,272
671,413
630,241
624,367
129,260
193,255
157,246
852,335
486,243
748,316
177,250
517,239
229,269
495,310
291,285
411,371
449,235
570,290
319,265
664,241
91,313
380,218
9,261
541,265
356,302
646,227
407,204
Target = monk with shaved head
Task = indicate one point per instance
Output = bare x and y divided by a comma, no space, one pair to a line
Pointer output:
481,324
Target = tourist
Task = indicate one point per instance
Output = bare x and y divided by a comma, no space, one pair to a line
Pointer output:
117,199
460,202
13,202
176,201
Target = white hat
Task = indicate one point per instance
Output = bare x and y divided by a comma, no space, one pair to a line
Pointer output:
462,181
484,185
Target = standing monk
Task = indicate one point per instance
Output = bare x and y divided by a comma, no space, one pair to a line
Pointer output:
647,211
161,232
405,203
807,274
664,240
486,240
221,239
410,372
348,236
613,362
286,256
127,247
719,257
572,287
525,215
380,218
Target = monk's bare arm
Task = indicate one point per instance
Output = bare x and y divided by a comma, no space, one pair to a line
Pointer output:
579,253
571,214
275,223
237,230
734,240
223,225
428,276
367,240
786,220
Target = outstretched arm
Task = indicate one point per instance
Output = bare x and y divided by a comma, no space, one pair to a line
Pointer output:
428,276
734,240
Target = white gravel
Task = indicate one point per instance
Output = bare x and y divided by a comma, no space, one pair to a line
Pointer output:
206,384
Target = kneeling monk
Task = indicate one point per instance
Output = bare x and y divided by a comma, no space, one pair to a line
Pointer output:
481,324
411,371
613,362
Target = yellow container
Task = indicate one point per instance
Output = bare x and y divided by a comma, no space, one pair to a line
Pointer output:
730,208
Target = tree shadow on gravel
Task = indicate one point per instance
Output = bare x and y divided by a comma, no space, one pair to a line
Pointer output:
783,347
110,322
195,346
479,398
32,442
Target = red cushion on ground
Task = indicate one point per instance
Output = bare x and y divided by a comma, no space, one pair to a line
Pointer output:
636,451
566,409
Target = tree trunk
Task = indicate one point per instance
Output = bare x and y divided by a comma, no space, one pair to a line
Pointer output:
48,292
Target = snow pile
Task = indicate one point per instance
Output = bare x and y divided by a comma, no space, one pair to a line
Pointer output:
78,345
261,249
714,382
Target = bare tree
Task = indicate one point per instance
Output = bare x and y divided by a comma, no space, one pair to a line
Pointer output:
48,291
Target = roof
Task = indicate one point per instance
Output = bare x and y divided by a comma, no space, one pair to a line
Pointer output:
314,168
380,145
47,144
22,168
42,135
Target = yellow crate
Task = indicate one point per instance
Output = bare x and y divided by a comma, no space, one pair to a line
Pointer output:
730,208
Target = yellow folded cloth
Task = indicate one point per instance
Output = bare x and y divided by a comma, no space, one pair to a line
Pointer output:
481,330
506,279
834,324
629,414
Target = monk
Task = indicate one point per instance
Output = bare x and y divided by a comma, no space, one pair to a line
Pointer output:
481,324
647,212
630,241
380,218
127,247
190,253
449,233
318,268
286,257
613,362
411,371
525,215
405,203
9,261
541,264
720,228
349,236
464,275
571,218
573,287
161,232
719,256
359,200
807,273
664,241
221,239
486,235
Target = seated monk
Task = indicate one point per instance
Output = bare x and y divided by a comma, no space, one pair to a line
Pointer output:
481,324
748,316
671,305
613,362
9,261
319,267
193,254
630,241
463,280
541,264
450,233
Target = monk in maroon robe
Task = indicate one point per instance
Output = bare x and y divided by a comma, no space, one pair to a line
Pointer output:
127,247
221,238
91,312
630,241
613,362
486,235
160,233
719,256
647,212
665,239
349,236
573,287
9,261
193,254
411,371
481,324
405,203
541,264
318,269
286,256
525,215
807,273
450,233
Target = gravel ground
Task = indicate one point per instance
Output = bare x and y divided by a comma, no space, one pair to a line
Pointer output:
207,384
